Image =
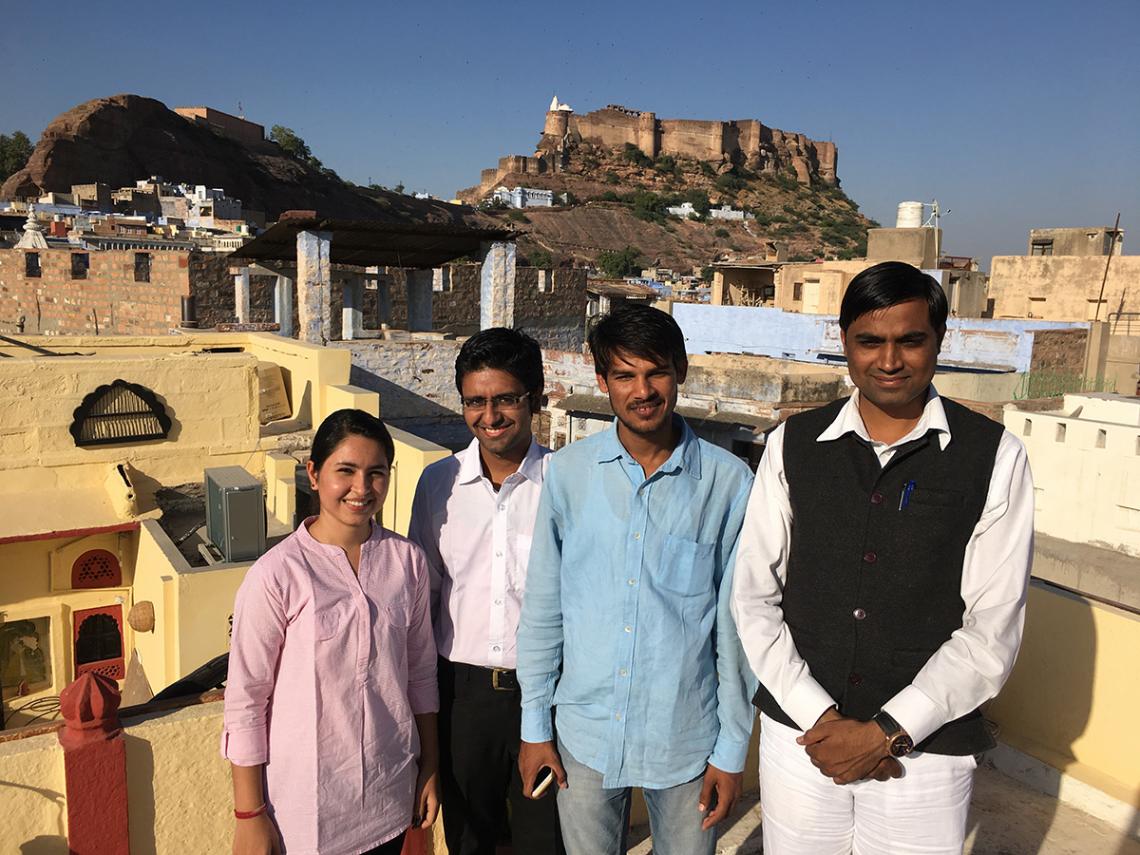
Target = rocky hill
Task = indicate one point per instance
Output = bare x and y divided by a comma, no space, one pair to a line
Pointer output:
623,169
120,139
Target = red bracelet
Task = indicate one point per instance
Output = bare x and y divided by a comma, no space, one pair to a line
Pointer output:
249,814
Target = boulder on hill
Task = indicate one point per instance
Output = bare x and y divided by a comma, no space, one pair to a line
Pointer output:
124,138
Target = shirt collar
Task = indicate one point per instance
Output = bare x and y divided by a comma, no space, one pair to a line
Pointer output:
686,456
471,464
307,539
850,421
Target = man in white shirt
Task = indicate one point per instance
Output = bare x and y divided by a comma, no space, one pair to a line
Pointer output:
880,590
474,514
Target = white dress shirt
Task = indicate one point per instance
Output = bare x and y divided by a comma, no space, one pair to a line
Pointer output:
477,543
971,666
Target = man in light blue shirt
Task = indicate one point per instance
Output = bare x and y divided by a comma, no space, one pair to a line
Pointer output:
625,625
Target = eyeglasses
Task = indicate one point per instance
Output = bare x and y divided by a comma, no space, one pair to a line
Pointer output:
507,401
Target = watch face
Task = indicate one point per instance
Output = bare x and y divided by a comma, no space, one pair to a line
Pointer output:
902,745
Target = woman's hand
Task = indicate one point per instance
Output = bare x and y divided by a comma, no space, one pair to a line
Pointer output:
426,806
256,836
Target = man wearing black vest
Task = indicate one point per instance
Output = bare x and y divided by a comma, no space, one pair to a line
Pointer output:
880,590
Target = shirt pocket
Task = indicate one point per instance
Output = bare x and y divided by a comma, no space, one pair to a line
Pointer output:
516,568
686,566
396,612
331,620
936,501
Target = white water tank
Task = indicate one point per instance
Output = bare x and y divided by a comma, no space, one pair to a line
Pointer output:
909,215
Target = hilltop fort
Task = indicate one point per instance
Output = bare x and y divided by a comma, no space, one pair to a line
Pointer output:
747,143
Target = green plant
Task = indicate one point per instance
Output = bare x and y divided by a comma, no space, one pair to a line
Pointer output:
293,145
707,273
611,178
616,263
706,169
14,153
721,232
632,154
516,216
540,258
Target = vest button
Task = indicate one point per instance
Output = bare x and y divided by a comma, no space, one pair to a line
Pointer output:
870,557
876,498
855,679
859,614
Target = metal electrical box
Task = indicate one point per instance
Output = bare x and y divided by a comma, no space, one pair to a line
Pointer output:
235,513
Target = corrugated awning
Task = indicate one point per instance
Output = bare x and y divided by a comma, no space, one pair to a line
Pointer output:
373,242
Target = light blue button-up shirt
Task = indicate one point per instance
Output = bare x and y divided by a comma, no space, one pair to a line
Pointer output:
625,624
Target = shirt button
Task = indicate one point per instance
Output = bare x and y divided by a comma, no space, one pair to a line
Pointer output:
632,582
876,498
623,672
502,507
498,554
637,535
870,557
498,602
859,614
855,679
617,716
629,628
496,648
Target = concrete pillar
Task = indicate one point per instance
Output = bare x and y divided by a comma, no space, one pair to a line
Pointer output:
419,284
241,295
544,281
383,298
283,305
352,311
497,290
94,766
1096,353
314,281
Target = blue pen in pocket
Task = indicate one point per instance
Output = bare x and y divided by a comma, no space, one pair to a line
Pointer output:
904,496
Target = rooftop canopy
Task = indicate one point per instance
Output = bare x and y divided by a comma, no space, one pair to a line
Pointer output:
373,242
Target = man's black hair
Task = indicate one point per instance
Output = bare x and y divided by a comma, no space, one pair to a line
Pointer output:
640,331
338,426
888,284
504,350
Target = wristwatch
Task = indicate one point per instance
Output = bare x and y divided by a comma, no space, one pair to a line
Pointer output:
899,743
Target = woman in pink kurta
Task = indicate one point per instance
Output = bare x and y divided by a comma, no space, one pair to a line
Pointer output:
332,684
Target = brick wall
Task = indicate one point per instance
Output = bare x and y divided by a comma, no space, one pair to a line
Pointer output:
108,300
1059,351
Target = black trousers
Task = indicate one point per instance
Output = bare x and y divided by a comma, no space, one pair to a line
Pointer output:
479,753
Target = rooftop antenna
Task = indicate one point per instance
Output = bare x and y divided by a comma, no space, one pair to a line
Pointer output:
936,214
241,113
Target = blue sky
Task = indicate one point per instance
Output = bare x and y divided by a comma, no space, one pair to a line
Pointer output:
1012,114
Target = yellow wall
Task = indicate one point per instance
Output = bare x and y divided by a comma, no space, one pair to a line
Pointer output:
33,816
1073,696
1062,287
35,582
413,456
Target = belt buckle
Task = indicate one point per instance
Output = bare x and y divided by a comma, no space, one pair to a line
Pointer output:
495,672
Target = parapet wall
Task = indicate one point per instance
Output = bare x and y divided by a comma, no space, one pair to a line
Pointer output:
106,299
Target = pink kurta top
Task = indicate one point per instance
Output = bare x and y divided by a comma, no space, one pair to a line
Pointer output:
326,672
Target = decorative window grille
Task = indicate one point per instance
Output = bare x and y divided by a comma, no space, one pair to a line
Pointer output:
96,568
142,266
118,413
99,641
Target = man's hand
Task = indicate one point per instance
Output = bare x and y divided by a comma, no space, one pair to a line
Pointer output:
845,749
720,792
888,768
533,758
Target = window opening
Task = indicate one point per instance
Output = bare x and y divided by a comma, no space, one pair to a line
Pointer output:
118,413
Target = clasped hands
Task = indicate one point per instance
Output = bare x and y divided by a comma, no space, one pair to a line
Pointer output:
848,750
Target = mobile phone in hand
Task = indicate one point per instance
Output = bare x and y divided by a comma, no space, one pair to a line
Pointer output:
542,784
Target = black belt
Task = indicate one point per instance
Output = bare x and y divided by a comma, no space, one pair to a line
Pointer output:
501,679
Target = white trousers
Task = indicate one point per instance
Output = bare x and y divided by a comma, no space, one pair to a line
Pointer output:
805,813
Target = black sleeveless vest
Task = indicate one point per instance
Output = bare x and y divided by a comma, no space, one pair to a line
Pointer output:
874,590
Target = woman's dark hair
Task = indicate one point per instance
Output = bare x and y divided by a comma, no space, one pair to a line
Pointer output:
640,331
343,424
504,350
888,284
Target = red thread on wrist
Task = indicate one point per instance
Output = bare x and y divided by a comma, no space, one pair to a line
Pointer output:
249,814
